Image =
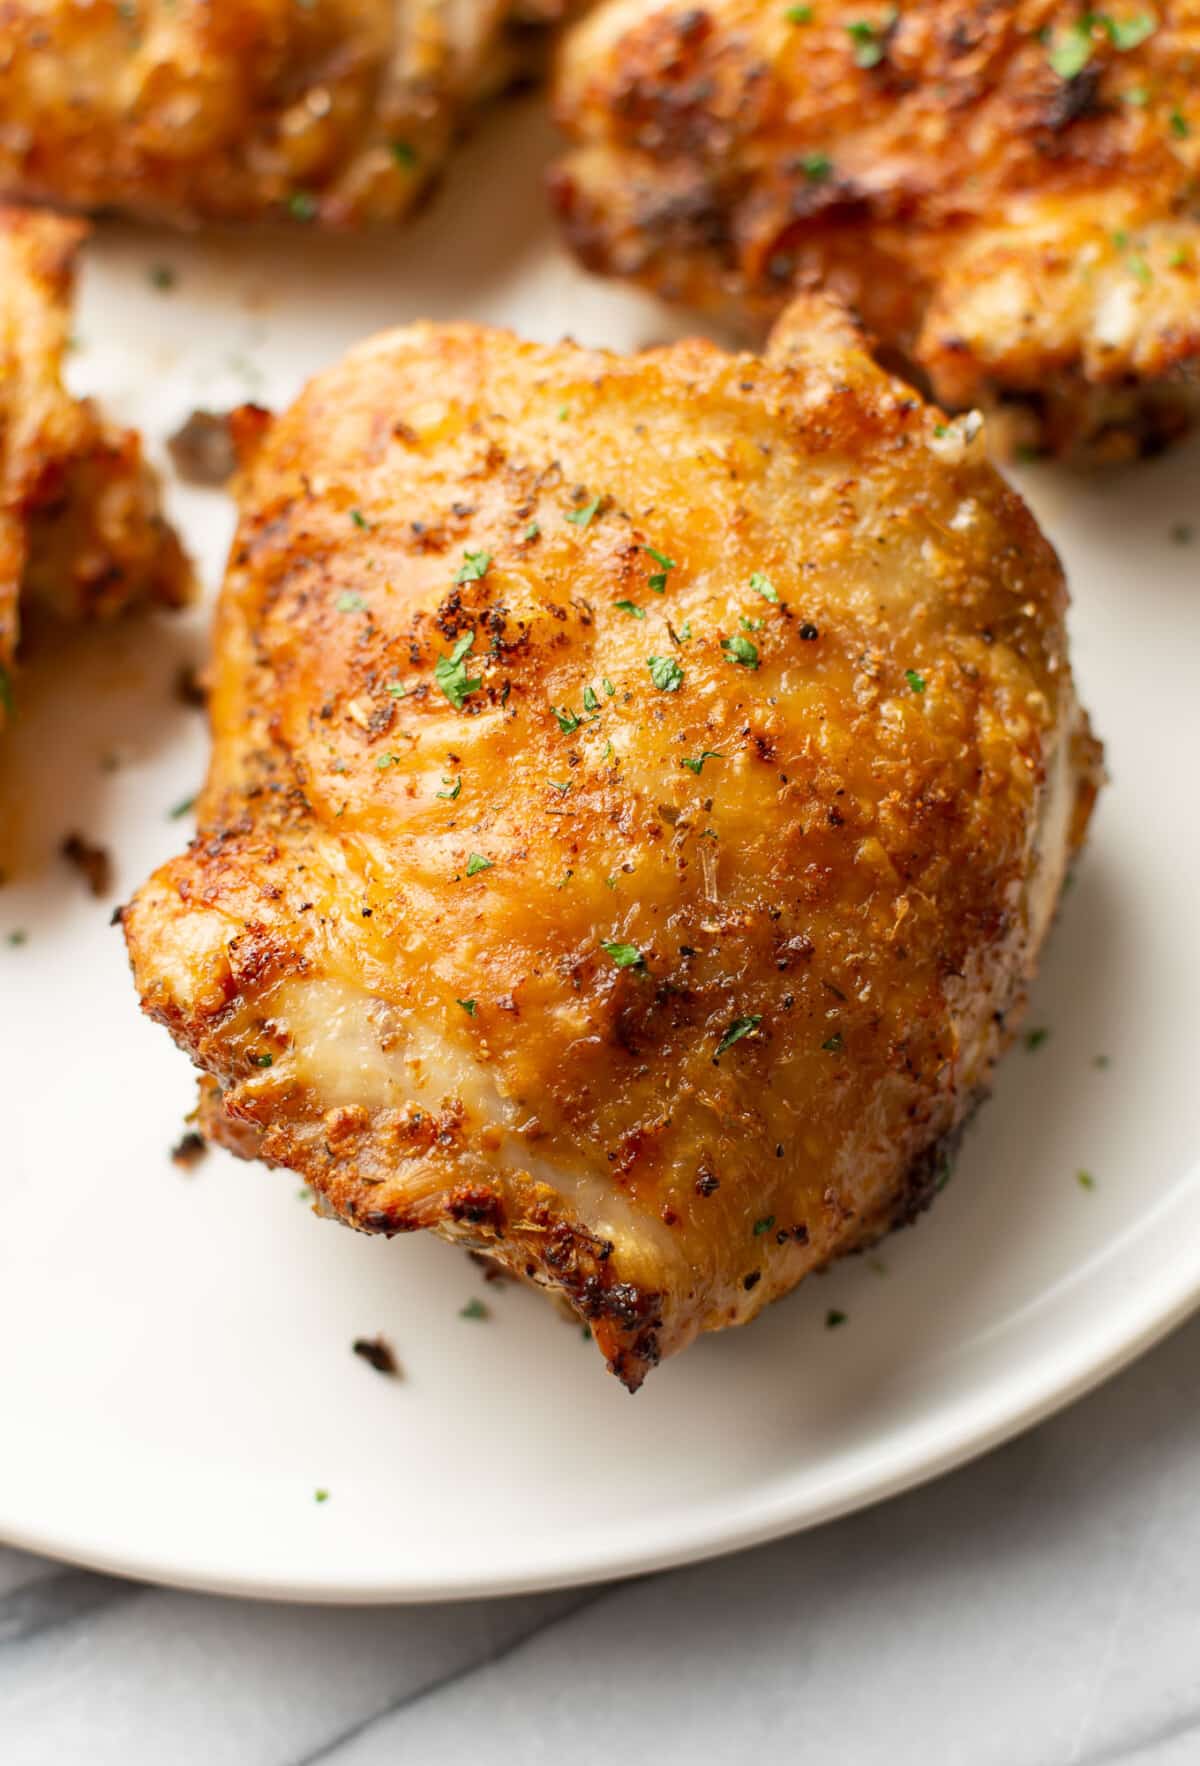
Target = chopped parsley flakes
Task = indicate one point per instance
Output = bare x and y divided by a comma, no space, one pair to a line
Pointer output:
1085,1180
583,517
762,585
658,582
568,722
625,956
665,672
455,787
870,40
631,607
915,681
474,1309
350,603
764,1225
450,672
476,863
739,1028
834,1318
474,567
696,764
468,1007
740,650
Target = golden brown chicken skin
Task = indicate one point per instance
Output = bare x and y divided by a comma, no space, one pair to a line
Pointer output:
340,111
640,789
81,528
1005,191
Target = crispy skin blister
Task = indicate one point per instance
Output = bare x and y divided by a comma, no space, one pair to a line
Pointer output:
641,787
1004,192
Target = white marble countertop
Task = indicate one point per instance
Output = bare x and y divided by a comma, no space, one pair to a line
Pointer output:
1040,1608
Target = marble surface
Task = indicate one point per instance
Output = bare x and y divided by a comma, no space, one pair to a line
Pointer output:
1039,1608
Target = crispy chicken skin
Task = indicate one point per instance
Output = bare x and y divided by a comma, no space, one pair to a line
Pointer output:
232,110
641,787
1004,191
81,529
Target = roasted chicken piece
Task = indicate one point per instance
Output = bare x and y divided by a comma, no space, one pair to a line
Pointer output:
641,788
339,111
81,528
1005,191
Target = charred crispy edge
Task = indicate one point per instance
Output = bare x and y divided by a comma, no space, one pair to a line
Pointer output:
546,1251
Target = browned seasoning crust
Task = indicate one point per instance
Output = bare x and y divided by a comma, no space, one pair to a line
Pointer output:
81,528
386,945
339,111
1006,192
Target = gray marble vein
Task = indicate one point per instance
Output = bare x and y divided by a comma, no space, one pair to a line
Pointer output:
1040,1608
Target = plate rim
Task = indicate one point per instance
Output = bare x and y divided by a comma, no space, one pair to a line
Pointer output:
1151,1312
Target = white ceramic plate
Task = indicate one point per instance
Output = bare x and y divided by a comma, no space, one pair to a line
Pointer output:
176,1375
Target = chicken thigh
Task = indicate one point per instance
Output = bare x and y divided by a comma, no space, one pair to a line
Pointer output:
641,787
81,528
1005,191
340,111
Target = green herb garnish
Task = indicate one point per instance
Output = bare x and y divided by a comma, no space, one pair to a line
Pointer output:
473,568
582,517
658,582
450,672
476,863
740,650
625,956
738,1028
697,765
665,672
